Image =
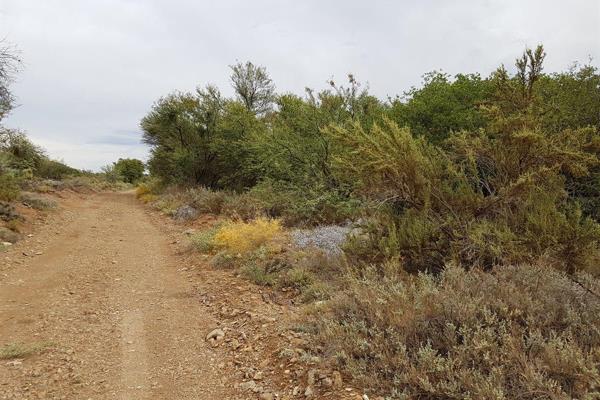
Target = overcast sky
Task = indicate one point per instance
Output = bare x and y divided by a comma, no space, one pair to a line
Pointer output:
93,68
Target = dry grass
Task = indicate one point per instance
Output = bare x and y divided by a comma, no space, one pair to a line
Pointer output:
21,350
515,333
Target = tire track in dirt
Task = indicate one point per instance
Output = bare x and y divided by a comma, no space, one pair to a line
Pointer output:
105,295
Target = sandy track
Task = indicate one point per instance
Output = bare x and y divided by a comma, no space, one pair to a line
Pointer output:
104,293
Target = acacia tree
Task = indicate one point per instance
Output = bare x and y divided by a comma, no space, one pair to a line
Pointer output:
130,170
253,87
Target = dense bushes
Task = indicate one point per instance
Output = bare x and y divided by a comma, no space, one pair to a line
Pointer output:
474,209
444,205
522,332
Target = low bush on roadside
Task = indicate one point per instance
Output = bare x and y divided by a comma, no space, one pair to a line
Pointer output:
206,201
244,206
203,241
168,203
148,198
224,260
142,190
258,275
243,237
37,202
9,187
524,332
305,204
297,278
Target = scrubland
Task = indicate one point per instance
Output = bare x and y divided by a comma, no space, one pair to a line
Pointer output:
443,244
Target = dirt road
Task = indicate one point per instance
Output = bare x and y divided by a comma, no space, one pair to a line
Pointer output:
106,310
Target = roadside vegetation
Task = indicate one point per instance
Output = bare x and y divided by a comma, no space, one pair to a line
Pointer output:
445,241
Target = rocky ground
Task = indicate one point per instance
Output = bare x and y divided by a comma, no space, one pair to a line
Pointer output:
102,300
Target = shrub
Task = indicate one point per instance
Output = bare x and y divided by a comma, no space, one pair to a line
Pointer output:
526,332
244,206
51,169
9,187
37,202
224,260
205,200
168,203
204,241
142,189
483,199
8,235
297,277
8,212
258,275
243,237
148,198
305,203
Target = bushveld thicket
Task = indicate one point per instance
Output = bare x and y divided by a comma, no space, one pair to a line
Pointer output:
497,177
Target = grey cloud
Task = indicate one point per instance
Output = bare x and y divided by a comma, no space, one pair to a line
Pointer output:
93,68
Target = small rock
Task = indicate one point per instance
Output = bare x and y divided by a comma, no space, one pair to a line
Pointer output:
309,392
312,374
7,244
337,380
267,396
186,213
215,334
6,235
249,385
258,376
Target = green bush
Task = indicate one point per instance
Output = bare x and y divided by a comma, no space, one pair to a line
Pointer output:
51,169
297,277
521,332
258,275
37,202
205,200
305,204
439,205
244,206
9,187
224,260
204,241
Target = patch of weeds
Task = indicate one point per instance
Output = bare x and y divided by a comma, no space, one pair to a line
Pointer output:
21,350
148,198
37,202
203,241
224,260
7,235
287,353
296,277
316,291
309,328
258,275
14,225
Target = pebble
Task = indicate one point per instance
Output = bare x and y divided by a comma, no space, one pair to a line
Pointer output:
215,334
309,392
